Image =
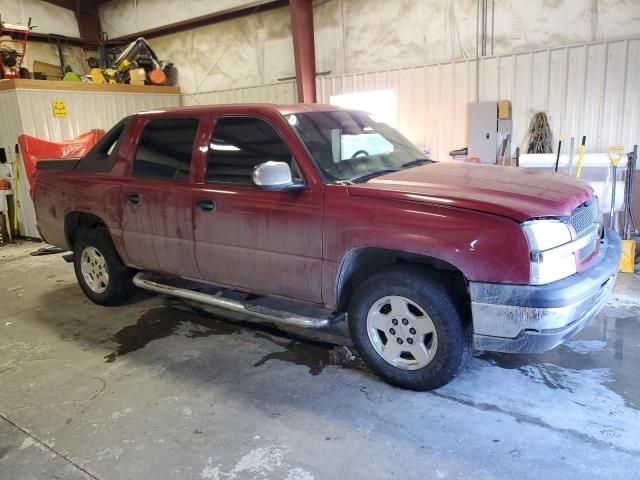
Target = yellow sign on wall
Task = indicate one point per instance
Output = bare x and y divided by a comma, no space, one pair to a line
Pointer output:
59,109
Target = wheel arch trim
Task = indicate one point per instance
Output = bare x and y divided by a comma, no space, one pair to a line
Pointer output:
351,260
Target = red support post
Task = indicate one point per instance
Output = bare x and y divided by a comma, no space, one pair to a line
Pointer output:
304,49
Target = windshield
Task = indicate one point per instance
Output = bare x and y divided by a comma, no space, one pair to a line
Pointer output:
353,146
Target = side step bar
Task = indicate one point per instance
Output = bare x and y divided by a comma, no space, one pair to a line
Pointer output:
249,312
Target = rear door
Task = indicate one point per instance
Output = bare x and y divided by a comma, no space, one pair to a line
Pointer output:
157,197
256,240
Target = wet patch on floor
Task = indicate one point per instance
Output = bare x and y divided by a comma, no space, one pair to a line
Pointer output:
580,403
161,322
313,355
610,341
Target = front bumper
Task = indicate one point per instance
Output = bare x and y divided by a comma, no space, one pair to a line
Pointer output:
535,318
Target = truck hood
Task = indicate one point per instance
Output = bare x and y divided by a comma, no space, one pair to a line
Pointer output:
506,191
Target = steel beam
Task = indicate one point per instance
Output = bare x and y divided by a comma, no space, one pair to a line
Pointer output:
304,49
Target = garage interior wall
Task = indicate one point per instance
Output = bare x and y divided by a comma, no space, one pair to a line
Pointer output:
29,112
590,89
409,33
245,52
583,76
249,51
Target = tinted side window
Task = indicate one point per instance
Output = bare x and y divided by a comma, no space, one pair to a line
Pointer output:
239,144
165,148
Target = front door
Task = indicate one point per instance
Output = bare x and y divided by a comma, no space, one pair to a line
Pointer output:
157,197
256,240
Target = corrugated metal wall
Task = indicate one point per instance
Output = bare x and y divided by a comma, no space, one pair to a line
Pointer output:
590,89
283,92
30,112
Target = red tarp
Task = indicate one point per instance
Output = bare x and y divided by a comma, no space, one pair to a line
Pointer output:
35,149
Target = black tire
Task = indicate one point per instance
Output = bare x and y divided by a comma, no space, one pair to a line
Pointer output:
119,286
428,291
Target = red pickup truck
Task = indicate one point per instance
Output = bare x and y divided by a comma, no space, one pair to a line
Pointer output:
335,216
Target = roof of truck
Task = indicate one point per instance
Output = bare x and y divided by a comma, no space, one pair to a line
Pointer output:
283,109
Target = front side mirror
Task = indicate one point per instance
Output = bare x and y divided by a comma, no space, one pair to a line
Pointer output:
275,176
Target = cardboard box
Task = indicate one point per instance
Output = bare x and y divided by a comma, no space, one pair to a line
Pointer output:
137,76
50,71
504,110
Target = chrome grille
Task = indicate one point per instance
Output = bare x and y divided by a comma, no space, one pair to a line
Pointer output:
583,216
581,219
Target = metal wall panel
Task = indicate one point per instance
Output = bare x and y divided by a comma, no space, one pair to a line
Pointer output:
30,112
590,89
283,92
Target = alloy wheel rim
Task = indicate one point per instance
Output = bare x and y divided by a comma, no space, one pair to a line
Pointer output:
94,269
402,332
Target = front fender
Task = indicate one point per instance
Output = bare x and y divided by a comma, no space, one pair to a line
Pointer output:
483,247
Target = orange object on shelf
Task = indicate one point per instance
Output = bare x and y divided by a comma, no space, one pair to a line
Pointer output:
157,77
5,185
36,149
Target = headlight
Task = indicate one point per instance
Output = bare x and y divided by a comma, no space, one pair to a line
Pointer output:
544,235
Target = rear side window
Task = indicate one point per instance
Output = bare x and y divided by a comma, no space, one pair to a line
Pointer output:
165,148
239,144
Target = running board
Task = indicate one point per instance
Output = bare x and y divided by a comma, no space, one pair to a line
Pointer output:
249,312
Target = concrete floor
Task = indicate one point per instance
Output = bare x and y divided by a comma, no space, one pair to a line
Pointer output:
150,391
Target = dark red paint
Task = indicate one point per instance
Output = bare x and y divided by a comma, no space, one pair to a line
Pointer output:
293,244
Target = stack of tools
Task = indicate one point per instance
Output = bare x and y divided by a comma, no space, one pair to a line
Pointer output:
13,46
137,64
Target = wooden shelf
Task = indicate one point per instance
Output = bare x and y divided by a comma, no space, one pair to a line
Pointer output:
59,85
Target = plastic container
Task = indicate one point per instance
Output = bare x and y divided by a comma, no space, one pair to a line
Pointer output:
596,170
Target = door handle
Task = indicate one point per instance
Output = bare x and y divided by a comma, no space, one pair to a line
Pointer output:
134,198
206,205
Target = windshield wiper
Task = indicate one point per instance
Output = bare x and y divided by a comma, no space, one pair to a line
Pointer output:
416,162
374,173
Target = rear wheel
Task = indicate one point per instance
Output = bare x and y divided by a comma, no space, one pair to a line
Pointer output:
406,326
99,270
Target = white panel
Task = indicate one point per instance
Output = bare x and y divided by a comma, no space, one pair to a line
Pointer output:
631,105
30,112
612,102
283,92
594,75
558,98
590,89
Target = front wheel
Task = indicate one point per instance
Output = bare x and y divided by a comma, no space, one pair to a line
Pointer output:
99,270
405,325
